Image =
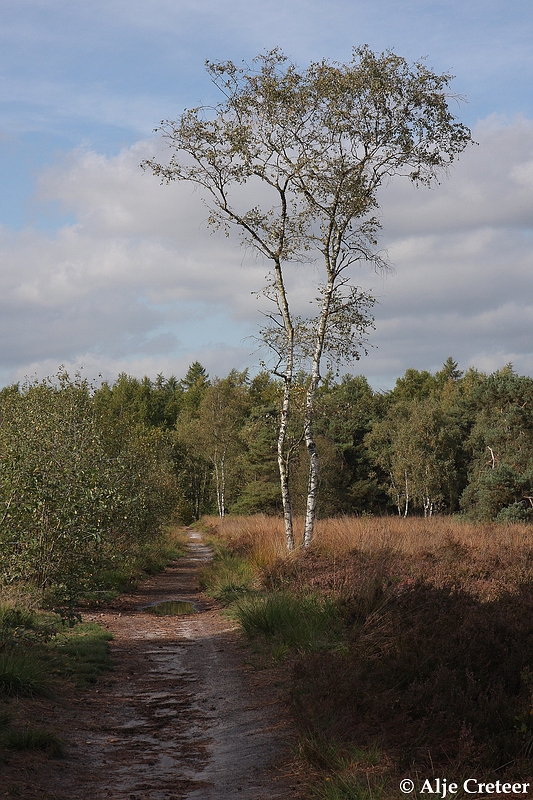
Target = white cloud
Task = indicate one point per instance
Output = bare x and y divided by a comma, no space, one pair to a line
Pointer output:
463,256
139,284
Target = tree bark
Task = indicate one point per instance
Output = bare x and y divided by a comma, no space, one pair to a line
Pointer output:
283,457
312,483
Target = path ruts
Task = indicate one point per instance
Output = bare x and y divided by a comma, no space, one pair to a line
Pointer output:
180,717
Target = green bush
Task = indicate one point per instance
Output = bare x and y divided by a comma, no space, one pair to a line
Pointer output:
80,492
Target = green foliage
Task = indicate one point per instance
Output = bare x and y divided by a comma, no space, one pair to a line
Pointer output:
307,622
152,403
501,448
416,446
37,649
80,492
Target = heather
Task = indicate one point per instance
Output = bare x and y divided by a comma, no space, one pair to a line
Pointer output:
426,663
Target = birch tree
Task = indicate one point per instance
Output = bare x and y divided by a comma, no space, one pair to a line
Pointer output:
317,144
221,416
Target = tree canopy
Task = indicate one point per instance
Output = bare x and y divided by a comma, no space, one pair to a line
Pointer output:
316,144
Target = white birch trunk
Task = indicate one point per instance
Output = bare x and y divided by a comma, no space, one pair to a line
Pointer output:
283,459
223,484
312,484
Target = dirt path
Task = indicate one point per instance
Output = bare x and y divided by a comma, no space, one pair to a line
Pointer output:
181,716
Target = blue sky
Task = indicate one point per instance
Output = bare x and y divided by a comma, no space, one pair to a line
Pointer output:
103,268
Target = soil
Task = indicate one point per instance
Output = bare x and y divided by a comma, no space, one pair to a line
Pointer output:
182,716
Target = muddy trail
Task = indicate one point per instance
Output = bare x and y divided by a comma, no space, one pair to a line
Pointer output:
181,716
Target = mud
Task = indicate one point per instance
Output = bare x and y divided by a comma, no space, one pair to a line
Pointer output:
181,717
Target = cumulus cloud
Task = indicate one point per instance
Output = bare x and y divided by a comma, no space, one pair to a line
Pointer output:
463,259
139,284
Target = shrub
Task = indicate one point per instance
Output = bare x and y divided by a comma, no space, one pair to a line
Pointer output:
79,493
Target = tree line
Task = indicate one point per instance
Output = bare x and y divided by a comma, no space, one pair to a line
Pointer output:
449,442
89,475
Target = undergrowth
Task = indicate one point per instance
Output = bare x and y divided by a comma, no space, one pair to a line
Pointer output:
410,644
33,739
283,619
38,650
114,578
229,576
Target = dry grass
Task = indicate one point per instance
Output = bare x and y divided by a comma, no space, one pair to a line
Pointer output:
262,537
482,559
413,534
436,670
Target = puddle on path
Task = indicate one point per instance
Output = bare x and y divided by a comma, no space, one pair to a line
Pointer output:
171,608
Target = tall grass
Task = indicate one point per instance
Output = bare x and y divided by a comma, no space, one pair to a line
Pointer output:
360,554
34,739
22,673
262,538
436,665
228,577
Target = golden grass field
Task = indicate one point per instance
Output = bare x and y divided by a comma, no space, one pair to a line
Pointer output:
440,549
264,535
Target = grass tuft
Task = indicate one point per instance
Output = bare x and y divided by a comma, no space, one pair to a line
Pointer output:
23,673
82,653
15,616
34,739
228,577
307,623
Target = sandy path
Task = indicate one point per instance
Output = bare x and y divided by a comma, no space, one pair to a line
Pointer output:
181,715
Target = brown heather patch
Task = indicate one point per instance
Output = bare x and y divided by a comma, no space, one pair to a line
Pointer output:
348,553
437,668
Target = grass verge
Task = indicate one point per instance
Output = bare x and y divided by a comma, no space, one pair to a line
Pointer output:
37,652
304,622
81,653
